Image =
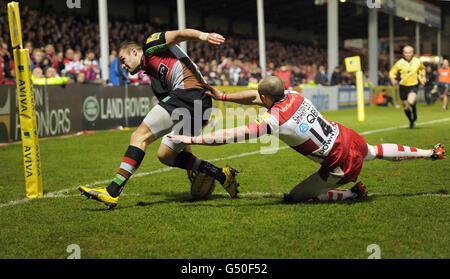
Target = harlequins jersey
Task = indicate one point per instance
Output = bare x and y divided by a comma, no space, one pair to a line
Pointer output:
169,67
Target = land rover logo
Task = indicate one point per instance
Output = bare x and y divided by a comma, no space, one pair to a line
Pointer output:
91,108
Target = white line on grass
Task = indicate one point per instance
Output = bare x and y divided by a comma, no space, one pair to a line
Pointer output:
63,192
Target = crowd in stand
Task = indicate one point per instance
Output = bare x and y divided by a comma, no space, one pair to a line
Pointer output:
69,46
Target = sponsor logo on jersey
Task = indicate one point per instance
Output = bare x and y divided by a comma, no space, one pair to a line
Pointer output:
303,128
261,118
153,37
163,70
166,99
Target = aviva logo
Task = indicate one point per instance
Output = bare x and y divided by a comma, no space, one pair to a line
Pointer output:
23,96
153,37
28,161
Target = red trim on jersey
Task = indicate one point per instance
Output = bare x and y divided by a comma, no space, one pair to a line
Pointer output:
340,196
401,148
413,149
287,107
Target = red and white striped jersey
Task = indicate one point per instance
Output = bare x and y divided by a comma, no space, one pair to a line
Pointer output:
299,124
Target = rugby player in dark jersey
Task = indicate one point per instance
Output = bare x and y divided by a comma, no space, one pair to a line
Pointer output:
181,91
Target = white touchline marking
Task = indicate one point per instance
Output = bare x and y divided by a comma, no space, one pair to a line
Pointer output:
403,126
62,193
247,194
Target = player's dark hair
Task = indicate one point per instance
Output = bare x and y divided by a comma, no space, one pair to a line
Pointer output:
128,46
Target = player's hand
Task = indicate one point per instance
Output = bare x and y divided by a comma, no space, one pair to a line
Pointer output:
215,39
180,138
214,93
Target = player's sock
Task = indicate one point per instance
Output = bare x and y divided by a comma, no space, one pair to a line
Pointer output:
414,112
396,152
213,171
188,161
336,195
408,114
130,163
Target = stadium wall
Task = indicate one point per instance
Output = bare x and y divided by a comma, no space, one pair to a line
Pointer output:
74,108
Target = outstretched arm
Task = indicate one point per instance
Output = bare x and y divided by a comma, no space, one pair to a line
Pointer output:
255,129
218,137
177,36
246,97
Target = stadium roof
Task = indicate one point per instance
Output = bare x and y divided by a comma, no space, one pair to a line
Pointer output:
305,14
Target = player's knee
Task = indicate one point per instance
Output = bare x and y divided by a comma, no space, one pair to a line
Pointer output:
141,137
162,157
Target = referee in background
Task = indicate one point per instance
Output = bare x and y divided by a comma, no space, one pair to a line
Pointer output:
411,71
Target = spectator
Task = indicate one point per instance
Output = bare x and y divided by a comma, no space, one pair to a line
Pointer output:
51,72
7,64
234,71
285,74
81,78
91,66
117,75
29,46
49,53
336,76
73,67
59,64
242,81
321,78
429,84
37,73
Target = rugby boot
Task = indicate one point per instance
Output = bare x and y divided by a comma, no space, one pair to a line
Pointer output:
230,184
99,194
438,152
360,190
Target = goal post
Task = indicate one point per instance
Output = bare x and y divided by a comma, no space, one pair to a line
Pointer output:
26,106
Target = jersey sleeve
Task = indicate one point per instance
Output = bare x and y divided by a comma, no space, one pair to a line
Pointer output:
421,67
260,126
394,71
155,44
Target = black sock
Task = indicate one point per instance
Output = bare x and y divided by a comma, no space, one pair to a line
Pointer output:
408,114
187,161
115,189
213,171
414,112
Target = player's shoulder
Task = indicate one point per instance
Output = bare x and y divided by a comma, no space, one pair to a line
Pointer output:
401,61
155,37
155,43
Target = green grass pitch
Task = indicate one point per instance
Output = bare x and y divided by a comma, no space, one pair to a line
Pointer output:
407,215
